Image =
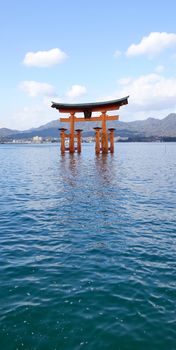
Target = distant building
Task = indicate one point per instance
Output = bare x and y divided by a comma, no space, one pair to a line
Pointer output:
37,139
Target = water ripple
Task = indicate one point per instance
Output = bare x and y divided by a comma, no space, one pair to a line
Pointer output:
87,248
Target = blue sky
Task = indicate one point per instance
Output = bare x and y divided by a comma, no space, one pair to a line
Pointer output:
76,51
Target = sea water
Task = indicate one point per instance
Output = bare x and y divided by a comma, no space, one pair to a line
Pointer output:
87,248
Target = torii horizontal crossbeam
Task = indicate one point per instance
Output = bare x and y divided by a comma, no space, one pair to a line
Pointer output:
93,119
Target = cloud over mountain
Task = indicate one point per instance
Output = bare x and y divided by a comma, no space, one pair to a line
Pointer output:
149,92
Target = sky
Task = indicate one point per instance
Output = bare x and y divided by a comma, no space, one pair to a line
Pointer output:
86,51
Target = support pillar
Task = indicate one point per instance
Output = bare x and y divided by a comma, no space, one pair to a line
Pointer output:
97,140
62,137
72,133
78,140
104,136
111,135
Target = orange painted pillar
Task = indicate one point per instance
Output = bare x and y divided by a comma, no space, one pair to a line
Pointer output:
111,135
104,135
72,133
62,137
97,140
79,140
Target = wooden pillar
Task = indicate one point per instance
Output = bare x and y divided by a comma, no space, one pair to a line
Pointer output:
72,133
97,140
111,134
62,137
79,140
104,136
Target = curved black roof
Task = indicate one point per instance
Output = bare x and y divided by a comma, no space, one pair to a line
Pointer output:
96,106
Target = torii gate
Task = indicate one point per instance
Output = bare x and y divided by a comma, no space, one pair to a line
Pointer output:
100,133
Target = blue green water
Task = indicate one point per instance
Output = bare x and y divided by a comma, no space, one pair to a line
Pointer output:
87,248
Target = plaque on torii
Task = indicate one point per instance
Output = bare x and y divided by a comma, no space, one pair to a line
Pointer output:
101,134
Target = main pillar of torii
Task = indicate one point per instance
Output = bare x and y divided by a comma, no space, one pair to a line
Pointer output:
87,109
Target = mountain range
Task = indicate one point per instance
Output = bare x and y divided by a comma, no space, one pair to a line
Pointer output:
150,127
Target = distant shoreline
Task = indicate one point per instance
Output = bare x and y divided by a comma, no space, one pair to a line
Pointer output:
142,140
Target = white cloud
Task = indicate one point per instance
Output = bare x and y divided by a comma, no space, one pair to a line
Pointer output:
125,81
174,56
76,91
149,95
117,54
44,58
35,88
39,114
152,44
159,68
32,116
150,92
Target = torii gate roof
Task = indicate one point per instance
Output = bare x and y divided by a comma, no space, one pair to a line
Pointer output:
91,107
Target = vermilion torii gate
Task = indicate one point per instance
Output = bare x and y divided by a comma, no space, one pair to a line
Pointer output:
101,134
